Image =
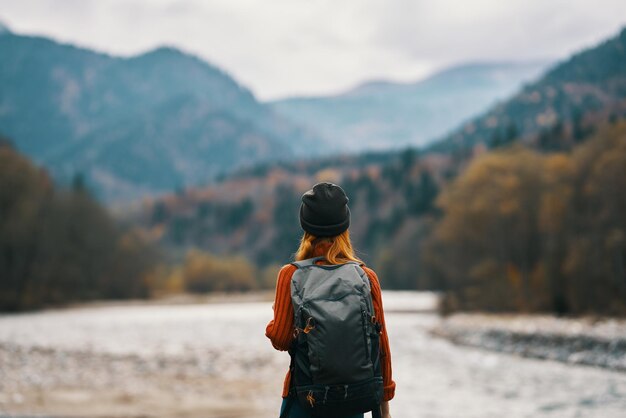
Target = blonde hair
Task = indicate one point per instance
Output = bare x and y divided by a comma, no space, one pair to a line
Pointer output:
339,249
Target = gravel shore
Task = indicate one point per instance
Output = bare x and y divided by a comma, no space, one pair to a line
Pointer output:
140,360
599,342
66,383
204,360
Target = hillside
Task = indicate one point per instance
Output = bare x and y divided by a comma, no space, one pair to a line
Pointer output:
386,115
4,28
395,196
559,109
133,126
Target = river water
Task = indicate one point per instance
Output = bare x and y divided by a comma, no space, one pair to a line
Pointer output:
224,344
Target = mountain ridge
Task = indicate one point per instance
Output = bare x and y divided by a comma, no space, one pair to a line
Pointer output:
554,105
391,115
395,195
458,70
4,29
57,99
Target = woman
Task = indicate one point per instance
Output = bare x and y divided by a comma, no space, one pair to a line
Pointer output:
325,218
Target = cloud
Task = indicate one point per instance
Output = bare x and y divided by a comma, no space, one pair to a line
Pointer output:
452,30
284,47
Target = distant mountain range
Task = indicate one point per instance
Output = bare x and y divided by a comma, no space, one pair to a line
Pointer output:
165,119
133,126
393,194
4,28
384,115
556,110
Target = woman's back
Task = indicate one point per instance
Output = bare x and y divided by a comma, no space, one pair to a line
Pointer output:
324,212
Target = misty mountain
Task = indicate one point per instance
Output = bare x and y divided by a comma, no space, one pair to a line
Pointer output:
383,115
4,28
133,126
557,110
393,195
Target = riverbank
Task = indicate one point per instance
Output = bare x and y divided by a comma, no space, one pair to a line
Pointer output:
209,360
152,359
72,383
180,299
599,342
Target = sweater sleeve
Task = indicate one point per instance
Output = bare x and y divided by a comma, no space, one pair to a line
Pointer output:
385,353
280,328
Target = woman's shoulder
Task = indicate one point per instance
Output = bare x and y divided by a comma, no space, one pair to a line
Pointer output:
288,267
286,271
284,278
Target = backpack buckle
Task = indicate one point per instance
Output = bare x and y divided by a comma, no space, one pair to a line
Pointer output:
310,325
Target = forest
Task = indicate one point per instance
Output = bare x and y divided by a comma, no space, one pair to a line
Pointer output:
513,226
518,227
528,231
59,245
519,209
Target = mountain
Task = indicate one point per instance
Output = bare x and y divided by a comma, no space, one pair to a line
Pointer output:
557,110
133,126
395,196
384,115
4,28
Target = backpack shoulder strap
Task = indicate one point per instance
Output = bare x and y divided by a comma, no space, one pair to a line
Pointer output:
311,262
307,262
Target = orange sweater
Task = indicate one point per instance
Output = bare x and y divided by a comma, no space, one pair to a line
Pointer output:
280,329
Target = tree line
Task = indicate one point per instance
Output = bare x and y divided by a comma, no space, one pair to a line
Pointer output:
518,226
517,229
528,231
58,245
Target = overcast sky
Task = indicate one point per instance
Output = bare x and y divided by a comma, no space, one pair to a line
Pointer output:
279,48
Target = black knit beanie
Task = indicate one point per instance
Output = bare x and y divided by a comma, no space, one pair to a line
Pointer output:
324,211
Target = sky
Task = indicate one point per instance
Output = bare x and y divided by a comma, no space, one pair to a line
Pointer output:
281,48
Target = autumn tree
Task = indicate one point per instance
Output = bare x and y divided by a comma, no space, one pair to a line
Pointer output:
490,229
59,245
536,232
204,272
596,256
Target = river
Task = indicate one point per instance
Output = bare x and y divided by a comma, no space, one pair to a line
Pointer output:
213,360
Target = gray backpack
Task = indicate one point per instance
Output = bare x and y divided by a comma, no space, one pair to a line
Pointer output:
335,360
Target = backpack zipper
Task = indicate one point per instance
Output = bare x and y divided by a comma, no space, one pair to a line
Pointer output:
365,336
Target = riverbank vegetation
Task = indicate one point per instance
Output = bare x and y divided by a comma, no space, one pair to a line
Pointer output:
514,228
202,272
529,231
59,245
